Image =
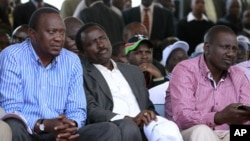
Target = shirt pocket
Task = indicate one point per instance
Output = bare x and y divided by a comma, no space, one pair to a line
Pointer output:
58,96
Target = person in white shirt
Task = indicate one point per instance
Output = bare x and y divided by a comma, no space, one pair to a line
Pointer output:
117,92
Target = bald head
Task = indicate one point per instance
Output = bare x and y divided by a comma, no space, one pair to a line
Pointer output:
132,29
72,25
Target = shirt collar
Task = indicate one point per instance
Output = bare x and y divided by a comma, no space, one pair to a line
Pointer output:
98,1
36,57
191,17
101,67
205,71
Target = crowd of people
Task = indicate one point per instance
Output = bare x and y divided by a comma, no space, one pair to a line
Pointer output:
83,72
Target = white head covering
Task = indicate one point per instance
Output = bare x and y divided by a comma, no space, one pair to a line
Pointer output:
168,50
244,42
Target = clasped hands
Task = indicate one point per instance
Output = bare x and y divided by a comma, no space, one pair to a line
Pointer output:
64,129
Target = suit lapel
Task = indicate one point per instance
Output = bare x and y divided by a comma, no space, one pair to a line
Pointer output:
130,79
93,72
156,17
137,14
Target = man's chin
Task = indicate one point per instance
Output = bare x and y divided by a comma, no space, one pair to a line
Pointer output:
55,53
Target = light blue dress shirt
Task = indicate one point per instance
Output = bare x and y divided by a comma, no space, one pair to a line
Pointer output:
36,92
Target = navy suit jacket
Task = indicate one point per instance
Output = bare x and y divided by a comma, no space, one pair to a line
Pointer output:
99,97
108,19
23,12
163,21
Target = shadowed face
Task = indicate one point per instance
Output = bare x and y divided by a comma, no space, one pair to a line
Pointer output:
142,54
198,6
242,55
233,8
175,57
19,35
246,19
146,3
72,26
96,45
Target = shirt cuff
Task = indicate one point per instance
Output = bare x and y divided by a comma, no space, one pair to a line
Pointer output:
158,79
117,117
209,119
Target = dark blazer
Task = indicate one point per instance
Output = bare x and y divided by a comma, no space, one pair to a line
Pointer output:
219,6
245,34
99,98
101,14
23,12
231,22
192,32
163,21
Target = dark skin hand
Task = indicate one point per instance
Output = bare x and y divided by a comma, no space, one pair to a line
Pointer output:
64,129
149,67
144,117
232,115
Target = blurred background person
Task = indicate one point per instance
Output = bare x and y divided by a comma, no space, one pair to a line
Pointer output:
4,40
139,52
22,12
112,23
118,52
68,7
242,52
232,17
246,24
192,28
172,55
19,34
72,25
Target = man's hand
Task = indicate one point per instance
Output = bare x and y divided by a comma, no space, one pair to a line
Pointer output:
67,130
150,68
144,117
64,129
232,115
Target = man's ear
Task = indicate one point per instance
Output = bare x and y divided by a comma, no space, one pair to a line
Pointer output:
31,33
206,47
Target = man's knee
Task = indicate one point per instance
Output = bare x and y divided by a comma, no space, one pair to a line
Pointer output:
13,122
5,132
17,127
110,128
129,126
129,130
198,132
202,129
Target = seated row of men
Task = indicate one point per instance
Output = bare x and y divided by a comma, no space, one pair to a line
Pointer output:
63,97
